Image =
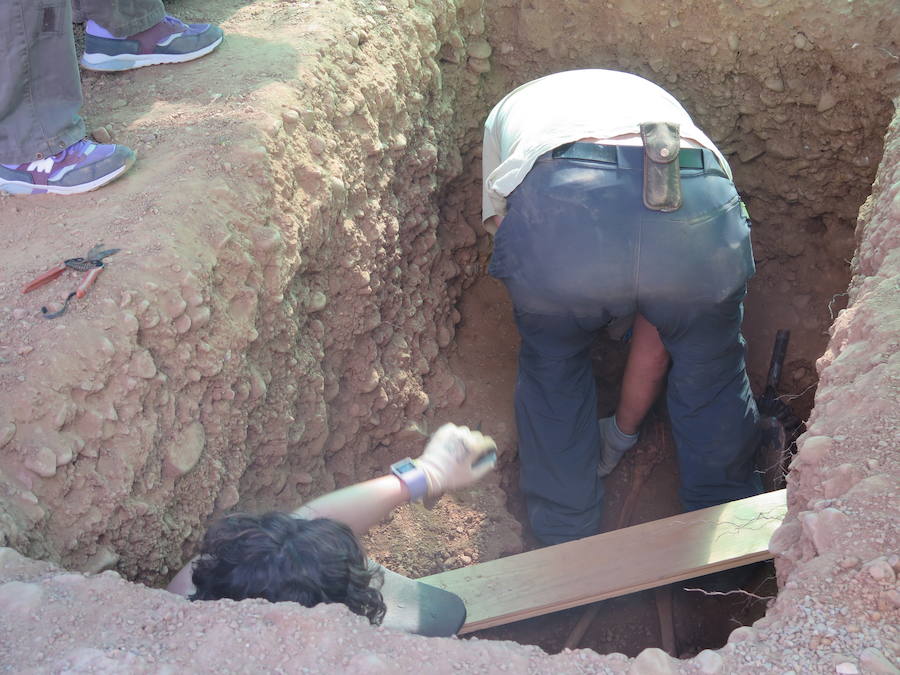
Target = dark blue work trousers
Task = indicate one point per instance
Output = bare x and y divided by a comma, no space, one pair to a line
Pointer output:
577,249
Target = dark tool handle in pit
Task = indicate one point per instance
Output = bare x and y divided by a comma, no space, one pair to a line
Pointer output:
782,337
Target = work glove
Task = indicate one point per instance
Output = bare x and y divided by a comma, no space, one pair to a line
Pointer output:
614,443
456,457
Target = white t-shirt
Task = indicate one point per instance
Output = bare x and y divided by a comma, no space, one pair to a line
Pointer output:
564,107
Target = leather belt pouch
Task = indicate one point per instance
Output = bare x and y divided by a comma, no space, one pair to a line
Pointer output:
662,179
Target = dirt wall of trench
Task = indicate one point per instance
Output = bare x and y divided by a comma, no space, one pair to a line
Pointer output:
303,217
276,319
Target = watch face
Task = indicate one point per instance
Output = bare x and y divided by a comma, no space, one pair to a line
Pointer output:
404,466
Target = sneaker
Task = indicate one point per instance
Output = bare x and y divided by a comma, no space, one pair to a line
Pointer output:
169,41
82,167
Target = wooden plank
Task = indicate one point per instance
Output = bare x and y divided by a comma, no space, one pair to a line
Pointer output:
615,563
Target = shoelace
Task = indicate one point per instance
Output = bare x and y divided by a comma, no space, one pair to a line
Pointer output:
177,23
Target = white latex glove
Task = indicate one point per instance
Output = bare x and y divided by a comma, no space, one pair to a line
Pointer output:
456,457
614,443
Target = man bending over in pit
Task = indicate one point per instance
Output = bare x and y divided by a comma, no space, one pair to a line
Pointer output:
312,555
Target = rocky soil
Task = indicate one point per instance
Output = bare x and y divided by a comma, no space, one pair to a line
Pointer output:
297,234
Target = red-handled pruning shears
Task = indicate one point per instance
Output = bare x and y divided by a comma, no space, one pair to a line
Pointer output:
92,263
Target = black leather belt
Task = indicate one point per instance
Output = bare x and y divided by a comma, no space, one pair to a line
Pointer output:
688,158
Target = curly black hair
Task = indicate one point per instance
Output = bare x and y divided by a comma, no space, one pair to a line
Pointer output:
279,557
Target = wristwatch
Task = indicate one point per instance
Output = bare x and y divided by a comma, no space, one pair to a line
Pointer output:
413,477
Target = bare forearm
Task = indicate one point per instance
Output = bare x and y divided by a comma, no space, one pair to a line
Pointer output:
359,506
645,373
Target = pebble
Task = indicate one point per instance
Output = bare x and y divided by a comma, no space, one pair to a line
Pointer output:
184,453
652,661
142,365
479,65
873,661
101,135
317,301
880,570
480,49
743,634
709,662
814,448
371,381
173,305
316,144
42,461
893,597
733,42
774,83
308,117
182,324
227,498
824,527
7,432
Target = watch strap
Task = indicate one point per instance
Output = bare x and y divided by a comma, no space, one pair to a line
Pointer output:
413,477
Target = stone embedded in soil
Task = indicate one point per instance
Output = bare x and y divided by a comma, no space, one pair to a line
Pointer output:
290,117
42,461
142,364
227,498
652,661
743,634
101,135
880,570
184,451
479,49
7,432
813,449
824,527
873,661
709,662
104,559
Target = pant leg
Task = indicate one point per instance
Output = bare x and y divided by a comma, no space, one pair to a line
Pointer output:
565,253
123,17
692,280
556,419
40,90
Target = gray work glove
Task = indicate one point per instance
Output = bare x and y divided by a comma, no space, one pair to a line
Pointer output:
456,457
614,443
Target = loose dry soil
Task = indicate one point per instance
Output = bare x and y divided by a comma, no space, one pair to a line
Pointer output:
302,292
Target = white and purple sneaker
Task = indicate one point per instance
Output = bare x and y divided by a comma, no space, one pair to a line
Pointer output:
82,167
169,41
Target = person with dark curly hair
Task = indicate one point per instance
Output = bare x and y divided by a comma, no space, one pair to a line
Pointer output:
312,555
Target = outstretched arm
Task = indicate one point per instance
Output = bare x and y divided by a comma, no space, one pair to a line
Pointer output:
358,506
455,457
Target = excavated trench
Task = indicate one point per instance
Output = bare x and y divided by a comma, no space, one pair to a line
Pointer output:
803,165
331,301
